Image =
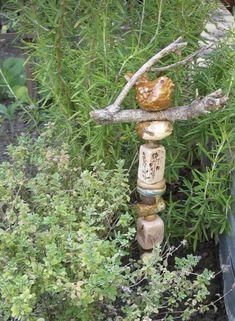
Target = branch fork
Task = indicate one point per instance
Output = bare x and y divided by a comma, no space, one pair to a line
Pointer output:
114,114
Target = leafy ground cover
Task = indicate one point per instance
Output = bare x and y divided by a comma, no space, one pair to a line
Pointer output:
66,239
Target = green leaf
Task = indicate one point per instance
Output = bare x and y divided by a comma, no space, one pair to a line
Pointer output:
3,110
21,93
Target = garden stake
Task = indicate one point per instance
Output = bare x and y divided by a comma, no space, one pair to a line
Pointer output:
155,122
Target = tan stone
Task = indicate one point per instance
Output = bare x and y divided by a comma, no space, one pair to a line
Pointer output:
151,163
146,257
154,130
149,233
158,185
144,210
150,218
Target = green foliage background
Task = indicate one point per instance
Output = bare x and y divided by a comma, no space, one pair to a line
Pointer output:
81,51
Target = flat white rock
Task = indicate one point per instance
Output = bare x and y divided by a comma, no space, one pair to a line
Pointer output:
154,130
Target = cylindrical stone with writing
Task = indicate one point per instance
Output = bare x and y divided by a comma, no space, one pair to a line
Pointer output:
151,163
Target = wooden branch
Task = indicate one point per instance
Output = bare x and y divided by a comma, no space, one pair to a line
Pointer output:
183,62
113,114
212,102
175,46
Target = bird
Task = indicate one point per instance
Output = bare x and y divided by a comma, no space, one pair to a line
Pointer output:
153,95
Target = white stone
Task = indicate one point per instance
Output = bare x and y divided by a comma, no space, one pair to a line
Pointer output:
149,233
151,163
154,130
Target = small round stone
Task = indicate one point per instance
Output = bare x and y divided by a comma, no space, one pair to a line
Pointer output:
144,210
154,130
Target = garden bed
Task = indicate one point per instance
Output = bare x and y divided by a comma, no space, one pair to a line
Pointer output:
207,251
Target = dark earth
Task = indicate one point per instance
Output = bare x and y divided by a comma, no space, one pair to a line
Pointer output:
208,251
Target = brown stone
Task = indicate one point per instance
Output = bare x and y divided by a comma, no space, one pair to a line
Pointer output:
148,200
150,218
149,233
153,95
154,130
144,210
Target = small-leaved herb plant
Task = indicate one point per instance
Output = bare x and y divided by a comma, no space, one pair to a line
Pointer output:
65,238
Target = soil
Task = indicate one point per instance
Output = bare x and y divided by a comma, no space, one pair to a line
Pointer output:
19,125
208,251
9,49
9,136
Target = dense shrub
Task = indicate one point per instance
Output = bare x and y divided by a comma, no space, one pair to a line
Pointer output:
64,244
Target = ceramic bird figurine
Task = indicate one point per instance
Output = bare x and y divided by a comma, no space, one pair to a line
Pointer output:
153,95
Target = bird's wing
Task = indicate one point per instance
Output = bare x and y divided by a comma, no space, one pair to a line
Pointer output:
155,93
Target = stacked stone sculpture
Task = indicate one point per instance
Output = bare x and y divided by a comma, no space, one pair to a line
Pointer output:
151,183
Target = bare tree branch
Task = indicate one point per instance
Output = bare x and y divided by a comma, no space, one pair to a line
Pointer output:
113,114
212,102
183,62
175,46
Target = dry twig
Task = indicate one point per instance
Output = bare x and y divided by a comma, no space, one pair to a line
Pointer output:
113,113
177,45
183,62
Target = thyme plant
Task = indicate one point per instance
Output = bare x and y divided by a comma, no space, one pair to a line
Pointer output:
65,245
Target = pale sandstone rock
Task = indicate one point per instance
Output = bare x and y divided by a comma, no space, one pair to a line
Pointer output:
149,233
158,185
151,163
154,130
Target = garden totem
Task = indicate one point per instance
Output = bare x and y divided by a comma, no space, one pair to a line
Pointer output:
153,123
152,96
